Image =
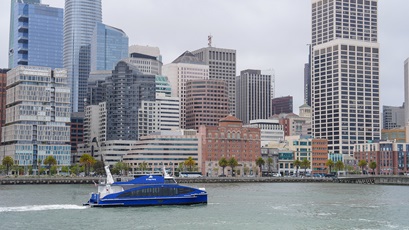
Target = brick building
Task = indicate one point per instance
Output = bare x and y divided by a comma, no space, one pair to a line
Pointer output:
228,139
391,158
319,155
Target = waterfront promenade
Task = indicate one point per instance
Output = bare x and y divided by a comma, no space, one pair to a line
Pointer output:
384,180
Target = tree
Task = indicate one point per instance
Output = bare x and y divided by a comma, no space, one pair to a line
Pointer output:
232,163
269,163
339,165
99,168
223,163
297,164
260,162
87,161
372,166
305,164
121,167
75,169
7,162
189,162
53,170
50,161
65,169
362,164
144,166
329,164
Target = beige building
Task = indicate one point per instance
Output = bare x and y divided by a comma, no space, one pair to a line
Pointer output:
185,67
163,149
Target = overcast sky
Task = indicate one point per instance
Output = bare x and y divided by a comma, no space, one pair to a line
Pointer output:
266,34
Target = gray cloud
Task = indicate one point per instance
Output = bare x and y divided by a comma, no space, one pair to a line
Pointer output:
265,33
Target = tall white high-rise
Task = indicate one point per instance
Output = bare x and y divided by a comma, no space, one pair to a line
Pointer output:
185,67
345,73
406,86
222,66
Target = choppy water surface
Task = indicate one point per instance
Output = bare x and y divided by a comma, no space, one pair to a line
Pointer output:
231,206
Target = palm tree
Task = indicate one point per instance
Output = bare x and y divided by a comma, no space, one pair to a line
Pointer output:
297,164
121,167
8,162
260,162
372,166
362,164
50,161
269,162
305,164
329,164
232,163
87,160
339,165
190,163
223,163
143,166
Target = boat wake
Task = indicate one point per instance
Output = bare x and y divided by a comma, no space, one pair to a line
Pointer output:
40,208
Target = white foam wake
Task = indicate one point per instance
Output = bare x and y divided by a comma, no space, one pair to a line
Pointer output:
40,208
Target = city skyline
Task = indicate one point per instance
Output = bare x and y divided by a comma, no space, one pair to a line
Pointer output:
265,35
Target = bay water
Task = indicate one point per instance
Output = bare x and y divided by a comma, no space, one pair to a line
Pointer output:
230,206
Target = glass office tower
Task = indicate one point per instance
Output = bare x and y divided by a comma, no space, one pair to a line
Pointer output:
109,45
80,19
32,43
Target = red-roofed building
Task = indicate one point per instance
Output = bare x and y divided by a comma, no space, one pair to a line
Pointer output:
229,139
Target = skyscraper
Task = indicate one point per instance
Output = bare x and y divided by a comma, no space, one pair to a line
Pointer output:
185,67
80,19
307,79
393,117
253,95
37,116
222,66
31,42
282,105
207,101
406,88
109,45
125,91
345,73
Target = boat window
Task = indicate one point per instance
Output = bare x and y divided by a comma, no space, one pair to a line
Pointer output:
170,181
157,191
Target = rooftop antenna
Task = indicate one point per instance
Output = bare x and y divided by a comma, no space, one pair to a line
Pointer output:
209,39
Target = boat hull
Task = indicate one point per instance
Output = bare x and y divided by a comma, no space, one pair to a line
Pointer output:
155,201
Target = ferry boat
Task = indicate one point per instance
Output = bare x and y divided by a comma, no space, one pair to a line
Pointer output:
146,190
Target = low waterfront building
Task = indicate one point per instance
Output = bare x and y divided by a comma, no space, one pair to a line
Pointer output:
391,158
228,139
268,152
163,149
271,130
319,155
286,162
301,145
